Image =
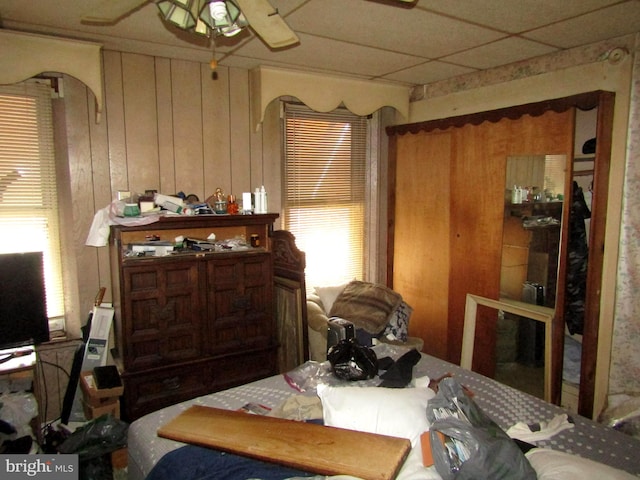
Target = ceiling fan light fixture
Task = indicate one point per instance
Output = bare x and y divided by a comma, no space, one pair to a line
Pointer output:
232,30
201,28
218,11
223,17
178,12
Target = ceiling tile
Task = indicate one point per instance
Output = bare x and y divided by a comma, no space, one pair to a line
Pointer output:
498,53
428,72
284,7
385,26
514,16
333,55
235,61
611,22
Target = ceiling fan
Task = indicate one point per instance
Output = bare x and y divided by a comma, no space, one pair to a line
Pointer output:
222,17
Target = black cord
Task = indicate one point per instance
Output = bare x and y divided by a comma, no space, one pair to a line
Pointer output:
47,426
55,365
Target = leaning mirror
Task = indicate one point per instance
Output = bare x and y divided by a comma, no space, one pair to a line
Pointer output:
534,197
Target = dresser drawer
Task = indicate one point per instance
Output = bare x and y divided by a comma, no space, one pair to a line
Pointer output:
149,391
232,370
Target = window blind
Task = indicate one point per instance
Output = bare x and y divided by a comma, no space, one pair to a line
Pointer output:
554,173
324,198
28,198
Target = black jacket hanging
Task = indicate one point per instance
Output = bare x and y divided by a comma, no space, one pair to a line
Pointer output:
578,252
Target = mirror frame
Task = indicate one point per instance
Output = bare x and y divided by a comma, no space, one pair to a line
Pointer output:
522,309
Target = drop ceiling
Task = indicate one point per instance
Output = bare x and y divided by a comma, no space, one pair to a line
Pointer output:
368,39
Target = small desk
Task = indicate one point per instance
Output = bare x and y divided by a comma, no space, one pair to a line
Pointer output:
24,358
19,373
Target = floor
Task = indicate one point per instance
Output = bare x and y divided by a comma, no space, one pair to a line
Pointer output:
522,377
517,353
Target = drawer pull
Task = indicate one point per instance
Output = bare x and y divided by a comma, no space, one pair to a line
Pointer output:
241,302
172,383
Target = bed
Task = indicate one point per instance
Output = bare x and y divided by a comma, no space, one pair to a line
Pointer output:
505,405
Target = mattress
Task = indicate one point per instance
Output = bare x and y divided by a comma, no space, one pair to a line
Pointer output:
505,405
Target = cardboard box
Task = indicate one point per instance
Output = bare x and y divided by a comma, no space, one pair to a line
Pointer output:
99,401
97,397
112,407
119,459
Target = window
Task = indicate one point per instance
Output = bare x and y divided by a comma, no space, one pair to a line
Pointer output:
28,199
324,191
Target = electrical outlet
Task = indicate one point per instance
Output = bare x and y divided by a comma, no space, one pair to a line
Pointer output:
56,324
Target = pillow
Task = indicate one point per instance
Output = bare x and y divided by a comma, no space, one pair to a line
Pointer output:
328,295
398,326
553,465
367,305
397,412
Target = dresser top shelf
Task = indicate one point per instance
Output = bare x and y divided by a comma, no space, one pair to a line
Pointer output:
211,221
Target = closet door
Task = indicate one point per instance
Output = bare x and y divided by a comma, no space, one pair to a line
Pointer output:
421,250
477,211
448,233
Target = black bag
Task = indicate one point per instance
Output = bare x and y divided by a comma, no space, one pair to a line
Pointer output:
352,361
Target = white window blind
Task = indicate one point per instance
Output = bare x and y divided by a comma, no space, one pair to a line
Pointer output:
28,199
325,168
554,173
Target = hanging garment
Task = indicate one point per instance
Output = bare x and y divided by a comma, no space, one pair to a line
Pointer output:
578,252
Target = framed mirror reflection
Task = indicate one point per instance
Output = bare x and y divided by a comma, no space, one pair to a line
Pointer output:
534,202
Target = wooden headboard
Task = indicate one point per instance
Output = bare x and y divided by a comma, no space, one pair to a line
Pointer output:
291,300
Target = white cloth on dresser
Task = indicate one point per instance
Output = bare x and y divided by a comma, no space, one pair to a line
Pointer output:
103,219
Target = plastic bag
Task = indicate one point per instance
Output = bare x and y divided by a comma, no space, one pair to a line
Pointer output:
93,442
17,409
467,444
352,361
307,377
624,416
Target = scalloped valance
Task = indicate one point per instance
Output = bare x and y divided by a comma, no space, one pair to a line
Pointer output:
583,101
323,93
25,55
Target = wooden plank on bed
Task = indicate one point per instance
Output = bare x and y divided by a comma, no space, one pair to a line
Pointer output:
306,446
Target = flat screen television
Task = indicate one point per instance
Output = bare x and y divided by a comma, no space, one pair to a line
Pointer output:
23,303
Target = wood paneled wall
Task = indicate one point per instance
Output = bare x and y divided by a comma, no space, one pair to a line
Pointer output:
168,125
54,367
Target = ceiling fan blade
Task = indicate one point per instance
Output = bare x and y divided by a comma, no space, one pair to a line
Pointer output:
110,11
267,23
397,3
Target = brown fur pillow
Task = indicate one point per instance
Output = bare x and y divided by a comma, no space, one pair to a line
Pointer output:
367,305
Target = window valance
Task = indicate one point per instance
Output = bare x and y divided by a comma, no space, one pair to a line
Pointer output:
323,93
25,55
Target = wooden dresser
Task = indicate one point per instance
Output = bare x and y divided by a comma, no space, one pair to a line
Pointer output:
192,322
